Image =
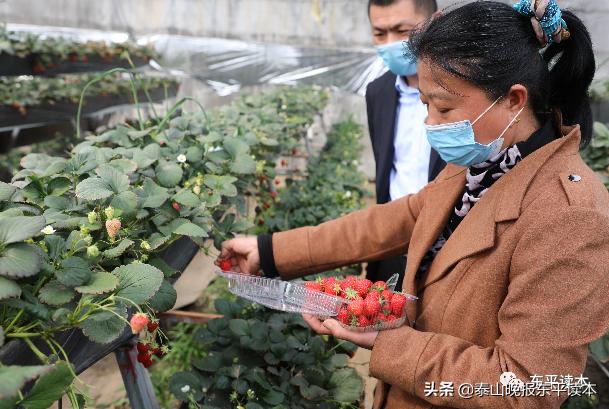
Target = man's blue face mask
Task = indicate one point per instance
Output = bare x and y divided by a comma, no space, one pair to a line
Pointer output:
398,58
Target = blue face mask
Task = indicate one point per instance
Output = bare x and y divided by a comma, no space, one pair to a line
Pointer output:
398,58
455,141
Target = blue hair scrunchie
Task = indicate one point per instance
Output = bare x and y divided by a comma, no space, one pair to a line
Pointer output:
547,20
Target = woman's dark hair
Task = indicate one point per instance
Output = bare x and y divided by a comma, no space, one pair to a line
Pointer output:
492,46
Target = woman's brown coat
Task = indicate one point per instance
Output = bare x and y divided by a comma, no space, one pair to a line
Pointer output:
522,285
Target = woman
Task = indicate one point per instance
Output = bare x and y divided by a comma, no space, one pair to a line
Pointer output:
508,249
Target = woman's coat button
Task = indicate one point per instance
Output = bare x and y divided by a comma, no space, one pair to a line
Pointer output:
575,178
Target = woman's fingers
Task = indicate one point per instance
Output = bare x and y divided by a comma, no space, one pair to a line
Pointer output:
362,339
316,324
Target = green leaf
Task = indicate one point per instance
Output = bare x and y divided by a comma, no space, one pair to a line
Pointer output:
54,293
57,202
101,282
168,174
243,165
187,198
273,397
93,189
114,178
20,260
165,298
138,282
239,327
190,229
119,249
236,147
13,378
1,336
6,191
126,202
185,384
163,266
74,271
346,385
157,240
9,289
58,186
147,156
49,388
125,165
20,228
211,363
153,195
104,327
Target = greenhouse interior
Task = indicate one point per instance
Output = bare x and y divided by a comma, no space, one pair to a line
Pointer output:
250,204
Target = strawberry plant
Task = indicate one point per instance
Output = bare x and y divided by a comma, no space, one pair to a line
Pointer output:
256,358
81,236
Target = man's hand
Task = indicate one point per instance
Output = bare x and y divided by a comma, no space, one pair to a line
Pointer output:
242,252
333,327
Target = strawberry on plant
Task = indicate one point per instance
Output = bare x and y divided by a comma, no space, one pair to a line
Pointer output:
273,195
143,357
260,222
148,363
398,301
356,307
138,322
176,206
152,326
142,348
112,227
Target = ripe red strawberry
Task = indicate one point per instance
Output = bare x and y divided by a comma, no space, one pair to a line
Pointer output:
152,326
176,206
313,286
380,286
266,206
277,182
294,151
225,265
331,286
148,363
372,305
380,317
348,282
260,222
142,348
362,321
391,318
143,357
398,301
362,286
284,162
156,351
349,294
39,68
386,295
273,195
343,316
356,307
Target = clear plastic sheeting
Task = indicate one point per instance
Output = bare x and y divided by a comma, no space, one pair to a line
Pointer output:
227,65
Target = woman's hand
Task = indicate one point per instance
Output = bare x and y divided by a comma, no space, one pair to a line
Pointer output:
333,327
242,252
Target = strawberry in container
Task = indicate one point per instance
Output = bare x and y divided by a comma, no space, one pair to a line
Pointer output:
367,306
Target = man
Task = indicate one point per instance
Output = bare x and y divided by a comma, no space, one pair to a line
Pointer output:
405,161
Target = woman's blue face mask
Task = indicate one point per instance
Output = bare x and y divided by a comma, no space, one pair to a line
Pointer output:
398,58
455,142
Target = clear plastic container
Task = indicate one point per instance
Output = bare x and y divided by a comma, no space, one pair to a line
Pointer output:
294,296
282,295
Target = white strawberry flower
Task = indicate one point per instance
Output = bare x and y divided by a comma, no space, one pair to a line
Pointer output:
48,230
185,389
181,158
